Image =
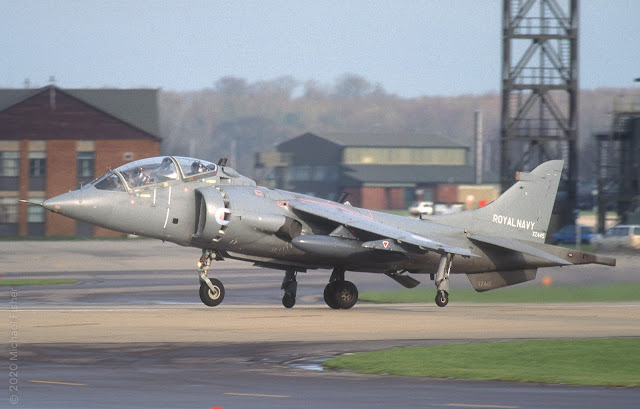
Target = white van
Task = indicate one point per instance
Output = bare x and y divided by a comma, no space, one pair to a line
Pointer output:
621,237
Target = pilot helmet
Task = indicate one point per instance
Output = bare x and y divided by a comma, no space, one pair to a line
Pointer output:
198,167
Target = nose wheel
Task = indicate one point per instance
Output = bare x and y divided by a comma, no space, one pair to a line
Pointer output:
212,296
211,290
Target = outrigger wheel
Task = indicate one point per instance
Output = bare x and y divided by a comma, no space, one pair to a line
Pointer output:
442,298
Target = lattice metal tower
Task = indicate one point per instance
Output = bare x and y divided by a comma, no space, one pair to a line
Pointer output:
540,91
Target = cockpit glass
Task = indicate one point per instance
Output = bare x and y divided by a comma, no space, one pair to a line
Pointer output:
148,171
110,181
195,167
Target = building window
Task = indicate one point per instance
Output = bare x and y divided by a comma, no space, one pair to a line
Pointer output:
9,164
8,216
8,210
86,167
405,156
37,170
35,214
37,164
300,173
9,170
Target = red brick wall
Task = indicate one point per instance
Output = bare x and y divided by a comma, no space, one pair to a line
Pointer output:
395,197
374,198
447,194
61,176
110,154
23,181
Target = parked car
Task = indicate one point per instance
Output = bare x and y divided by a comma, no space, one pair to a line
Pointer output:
419,208
622,237
447,209
567,235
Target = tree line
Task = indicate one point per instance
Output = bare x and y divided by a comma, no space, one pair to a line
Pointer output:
236,118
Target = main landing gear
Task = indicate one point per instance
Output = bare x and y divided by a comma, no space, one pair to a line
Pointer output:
340,294
290,287
211,289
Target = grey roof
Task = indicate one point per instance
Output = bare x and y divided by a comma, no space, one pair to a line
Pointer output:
407,174
396,140
136,107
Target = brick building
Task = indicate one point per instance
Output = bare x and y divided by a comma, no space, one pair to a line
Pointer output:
379,171
52,140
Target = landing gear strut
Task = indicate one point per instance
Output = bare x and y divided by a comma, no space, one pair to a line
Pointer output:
442,280
340,294
290,287
211,289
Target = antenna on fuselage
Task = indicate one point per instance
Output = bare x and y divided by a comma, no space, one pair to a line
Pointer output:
343,197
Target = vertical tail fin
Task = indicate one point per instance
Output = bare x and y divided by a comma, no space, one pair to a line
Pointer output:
522,212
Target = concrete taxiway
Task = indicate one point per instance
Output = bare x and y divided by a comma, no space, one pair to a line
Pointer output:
132,333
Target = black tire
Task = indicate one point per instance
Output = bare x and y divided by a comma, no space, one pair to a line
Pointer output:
288,300
330,296
346,294
442,298
212,298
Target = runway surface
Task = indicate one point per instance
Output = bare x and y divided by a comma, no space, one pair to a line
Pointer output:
132,333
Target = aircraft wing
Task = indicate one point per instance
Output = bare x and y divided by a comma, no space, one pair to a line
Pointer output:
362,219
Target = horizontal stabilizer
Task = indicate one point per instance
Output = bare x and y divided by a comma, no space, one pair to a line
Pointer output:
498,279
521,247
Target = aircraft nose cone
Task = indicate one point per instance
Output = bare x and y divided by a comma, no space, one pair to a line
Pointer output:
61,203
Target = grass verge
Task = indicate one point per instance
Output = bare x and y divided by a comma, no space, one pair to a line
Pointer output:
619,292
606,362
17,282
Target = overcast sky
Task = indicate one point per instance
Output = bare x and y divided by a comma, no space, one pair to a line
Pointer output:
412,48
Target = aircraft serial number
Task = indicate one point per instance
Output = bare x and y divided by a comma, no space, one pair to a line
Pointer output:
539,235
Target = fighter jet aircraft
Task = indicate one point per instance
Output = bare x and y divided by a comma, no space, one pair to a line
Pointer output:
211,206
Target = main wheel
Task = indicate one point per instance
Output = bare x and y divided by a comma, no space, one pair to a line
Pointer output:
330,296
346,294
288,300
442,298
212,297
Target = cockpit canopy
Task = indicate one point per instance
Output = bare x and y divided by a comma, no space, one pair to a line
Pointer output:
150,171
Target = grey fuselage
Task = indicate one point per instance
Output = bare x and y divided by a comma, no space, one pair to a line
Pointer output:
230,215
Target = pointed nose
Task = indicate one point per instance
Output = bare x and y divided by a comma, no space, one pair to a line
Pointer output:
62,203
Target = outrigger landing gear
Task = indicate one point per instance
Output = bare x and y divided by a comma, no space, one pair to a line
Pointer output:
340,294
211,289
442,280
290,287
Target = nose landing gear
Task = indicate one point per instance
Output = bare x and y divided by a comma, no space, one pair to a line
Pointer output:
211,290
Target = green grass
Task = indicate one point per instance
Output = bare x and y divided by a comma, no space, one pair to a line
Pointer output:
609,362
17,282
531,294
